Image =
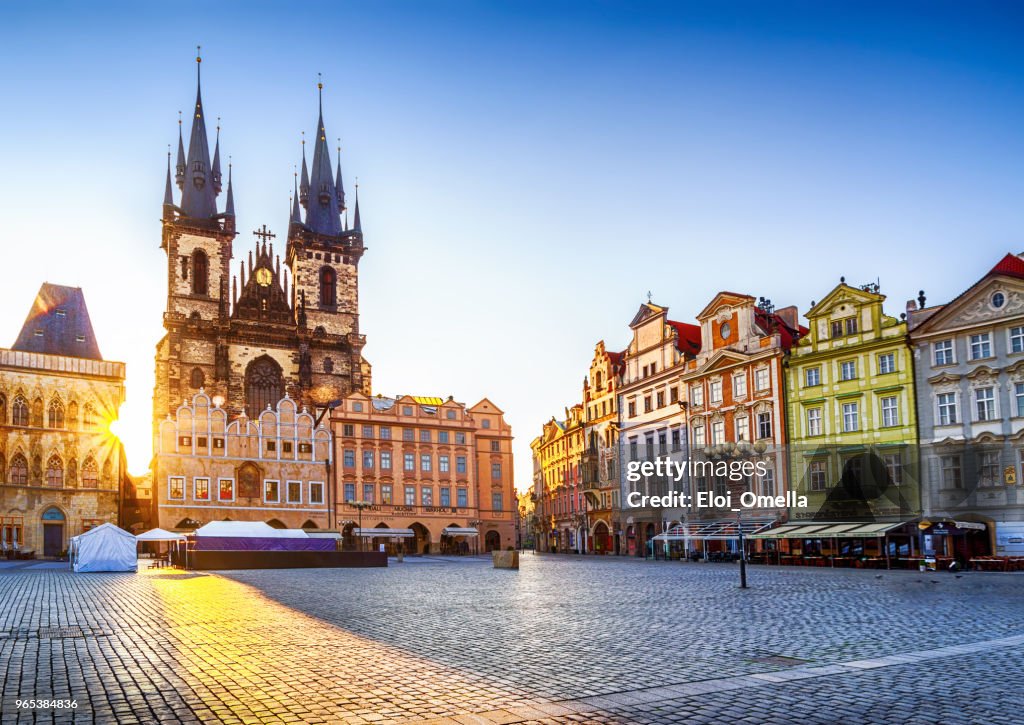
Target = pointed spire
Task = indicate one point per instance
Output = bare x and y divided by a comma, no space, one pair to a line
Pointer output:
229,206
168,189
356,225
296,217
322,213
216,161
179,172
338,185
304,186
198,198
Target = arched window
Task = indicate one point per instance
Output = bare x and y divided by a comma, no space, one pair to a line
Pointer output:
328,365
197,378
90,473
19,411
88,416
37,412
599,380
328,287
55,414
263,385
19,470
200,273
55,472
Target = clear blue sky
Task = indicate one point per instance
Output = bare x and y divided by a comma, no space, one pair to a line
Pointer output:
528,170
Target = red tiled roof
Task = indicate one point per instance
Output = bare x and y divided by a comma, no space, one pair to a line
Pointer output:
689,336
1011,265
772,322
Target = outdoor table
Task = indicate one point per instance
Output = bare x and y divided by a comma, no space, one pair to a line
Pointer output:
990,563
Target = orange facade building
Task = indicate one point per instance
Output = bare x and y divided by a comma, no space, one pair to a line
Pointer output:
428,465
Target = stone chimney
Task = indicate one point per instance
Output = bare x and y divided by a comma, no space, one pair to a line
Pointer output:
790,316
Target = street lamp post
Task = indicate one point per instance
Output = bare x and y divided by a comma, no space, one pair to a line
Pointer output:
359,506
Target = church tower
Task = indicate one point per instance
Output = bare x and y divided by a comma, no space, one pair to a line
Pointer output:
273,330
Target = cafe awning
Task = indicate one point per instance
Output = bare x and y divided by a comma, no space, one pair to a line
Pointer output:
459,531
385,533
721,530
826,530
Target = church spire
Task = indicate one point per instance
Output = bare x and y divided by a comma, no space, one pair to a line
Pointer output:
199,197
179,172
168,189
356,224
216,161
304,187
296,217
322,214
338,185
229,206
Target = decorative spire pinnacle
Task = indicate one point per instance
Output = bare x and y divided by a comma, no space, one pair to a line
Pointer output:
356,224
179,172
296,216
322,202
168,189
216,161
338,186
229,206
198,198
304,187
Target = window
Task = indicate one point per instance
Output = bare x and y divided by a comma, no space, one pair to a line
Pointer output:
349,458
495,471
55,414
263,387
19,411
718,432
715,391
443,464
947,408
697,395
812,377
427,496
385,460
328,287
698,434
175,487
385,493
985,404
357,407
632,409
485,423
677,442
662,442
409,462
425,462
814,421
890,412
200,273
817,476
226,489
350,492
851,326
981,346
894,466
408,434
761,381
462,497
673,395
90,473
368,459
1018,394
988,468
768,482
446,496
442,436
369,491
460,464
293,491
271,445
837,328
55,472
197,379
742,428
851,418
385,432
647,403
739,385
348,430
425,436
633,455
1017,339
367,431
410,495
328,365
271,491
406,410
660,399
450,414
201,489
944,352
497,504
460,439
848,370
316,492
887,363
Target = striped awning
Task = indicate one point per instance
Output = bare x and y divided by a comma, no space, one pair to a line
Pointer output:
385,533
825,530
459,531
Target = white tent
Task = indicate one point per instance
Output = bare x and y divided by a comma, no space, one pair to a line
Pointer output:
160,535
105,548
249,529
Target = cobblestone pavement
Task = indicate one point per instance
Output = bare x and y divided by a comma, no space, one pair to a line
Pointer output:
565,639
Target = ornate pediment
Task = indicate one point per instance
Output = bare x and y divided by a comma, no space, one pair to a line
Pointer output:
646,312
989,300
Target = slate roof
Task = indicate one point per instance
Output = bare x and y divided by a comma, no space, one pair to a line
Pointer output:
59,324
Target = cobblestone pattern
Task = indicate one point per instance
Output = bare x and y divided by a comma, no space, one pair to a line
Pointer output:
457,641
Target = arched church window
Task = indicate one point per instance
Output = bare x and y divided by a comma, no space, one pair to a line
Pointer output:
90,473
263,386
328,287
19,411
197,378
200,273
88,415
55,472
55,414
19,470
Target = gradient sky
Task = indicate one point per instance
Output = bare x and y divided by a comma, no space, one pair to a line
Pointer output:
528,170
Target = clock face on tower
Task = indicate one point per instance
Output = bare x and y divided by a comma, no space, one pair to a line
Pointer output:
263,277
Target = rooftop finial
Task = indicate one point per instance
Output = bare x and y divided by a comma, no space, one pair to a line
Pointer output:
320,90
199,64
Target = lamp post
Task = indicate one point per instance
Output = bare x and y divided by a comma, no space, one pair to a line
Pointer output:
359,506
475,523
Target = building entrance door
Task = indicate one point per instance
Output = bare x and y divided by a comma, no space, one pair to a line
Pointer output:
53,539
